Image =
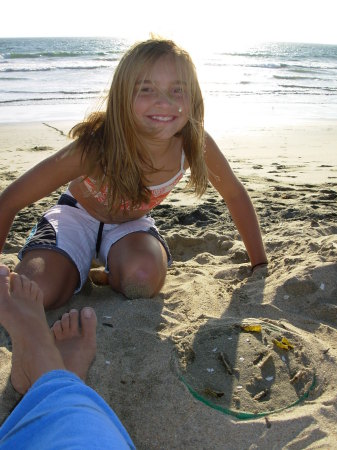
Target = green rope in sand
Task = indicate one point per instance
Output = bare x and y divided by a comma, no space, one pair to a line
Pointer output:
246,415
242,415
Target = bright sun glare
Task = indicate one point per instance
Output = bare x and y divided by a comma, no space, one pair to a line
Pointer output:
193,25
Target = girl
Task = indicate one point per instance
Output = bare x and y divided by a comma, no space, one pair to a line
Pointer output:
122,163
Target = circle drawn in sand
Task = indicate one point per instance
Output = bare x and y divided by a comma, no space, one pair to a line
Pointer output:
246,373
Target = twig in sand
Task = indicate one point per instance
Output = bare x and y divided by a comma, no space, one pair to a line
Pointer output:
54,128
298,375
225,362
267,422
259,396
264,360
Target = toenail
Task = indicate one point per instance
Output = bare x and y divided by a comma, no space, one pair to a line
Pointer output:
4,270
87,313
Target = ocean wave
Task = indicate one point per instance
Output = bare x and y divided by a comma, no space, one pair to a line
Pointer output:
59,54
286,50
93,92
268,65
311,67
291,67
110,59
45,100
283,91
294,77
324,89
49,69
12,78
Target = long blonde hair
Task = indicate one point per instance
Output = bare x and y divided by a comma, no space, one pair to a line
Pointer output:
110,143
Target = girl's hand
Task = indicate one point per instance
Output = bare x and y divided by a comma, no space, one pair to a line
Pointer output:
261,269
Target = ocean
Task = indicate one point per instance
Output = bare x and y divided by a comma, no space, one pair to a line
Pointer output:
43,79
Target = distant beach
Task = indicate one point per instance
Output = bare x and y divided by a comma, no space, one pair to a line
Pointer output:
181,370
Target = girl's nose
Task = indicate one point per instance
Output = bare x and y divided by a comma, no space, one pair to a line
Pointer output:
163,98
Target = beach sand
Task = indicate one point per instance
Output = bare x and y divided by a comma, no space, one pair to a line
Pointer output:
180,370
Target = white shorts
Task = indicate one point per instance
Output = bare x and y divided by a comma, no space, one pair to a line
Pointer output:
69,229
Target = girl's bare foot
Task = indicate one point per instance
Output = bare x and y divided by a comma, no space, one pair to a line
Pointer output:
22,315
75,338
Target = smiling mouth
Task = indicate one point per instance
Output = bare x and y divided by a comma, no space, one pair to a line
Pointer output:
162,118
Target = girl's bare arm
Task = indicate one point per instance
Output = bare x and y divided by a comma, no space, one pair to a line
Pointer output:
37,183
237,200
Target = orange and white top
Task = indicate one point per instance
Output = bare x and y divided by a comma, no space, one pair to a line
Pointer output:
158,193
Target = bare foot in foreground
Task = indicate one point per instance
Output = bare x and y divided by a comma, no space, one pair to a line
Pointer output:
22,315
76,340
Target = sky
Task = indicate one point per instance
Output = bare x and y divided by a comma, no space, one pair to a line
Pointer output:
189,22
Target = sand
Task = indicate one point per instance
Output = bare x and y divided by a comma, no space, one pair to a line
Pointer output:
181,370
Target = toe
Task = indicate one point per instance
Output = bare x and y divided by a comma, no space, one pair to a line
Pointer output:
26,286
35,291
57,330
74,322
89,322
16,283
65,322
4,271
4,280
40,297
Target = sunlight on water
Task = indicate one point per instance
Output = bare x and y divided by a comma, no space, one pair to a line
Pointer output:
243,85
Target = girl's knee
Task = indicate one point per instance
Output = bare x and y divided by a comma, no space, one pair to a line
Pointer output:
56,276
141,277
137,265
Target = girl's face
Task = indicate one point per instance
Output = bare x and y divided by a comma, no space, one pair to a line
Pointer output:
160,100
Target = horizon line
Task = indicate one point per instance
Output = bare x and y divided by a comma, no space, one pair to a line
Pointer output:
132,39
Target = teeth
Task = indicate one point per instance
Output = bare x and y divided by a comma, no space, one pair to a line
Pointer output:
162,119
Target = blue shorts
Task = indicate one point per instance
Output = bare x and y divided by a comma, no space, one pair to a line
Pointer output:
69,229
60,412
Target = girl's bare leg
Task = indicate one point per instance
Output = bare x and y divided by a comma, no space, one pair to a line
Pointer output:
55,274
137,265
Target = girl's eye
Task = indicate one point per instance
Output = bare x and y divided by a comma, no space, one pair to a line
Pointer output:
178,91
145,90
